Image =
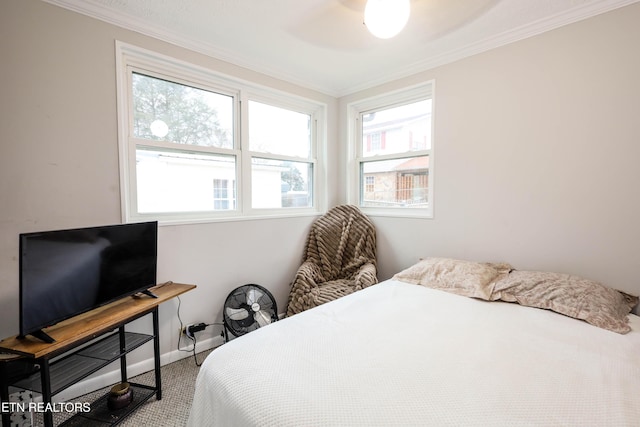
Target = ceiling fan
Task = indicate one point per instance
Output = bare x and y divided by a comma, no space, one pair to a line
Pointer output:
340,24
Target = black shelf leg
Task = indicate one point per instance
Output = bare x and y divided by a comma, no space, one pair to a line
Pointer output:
123,358
156,353
45,378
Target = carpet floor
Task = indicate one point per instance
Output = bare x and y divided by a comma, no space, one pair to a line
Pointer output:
178,384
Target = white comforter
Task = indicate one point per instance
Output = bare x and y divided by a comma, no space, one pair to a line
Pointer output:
402,354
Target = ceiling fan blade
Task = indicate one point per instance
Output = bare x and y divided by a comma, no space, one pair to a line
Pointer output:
262,318
335,24
237,313
433,19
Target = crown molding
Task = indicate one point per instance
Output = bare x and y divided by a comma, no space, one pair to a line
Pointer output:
126,22
573,15
520,33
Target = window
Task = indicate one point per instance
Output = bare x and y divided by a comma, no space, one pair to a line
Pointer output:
393,153
221,194
195,145
374,142
281,169
369,182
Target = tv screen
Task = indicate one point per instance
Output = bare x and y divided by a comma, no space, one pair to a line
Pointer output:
67,272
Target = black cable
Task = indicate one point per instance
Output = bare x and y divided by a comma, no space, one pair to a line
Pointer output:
195,359
181,329
191,337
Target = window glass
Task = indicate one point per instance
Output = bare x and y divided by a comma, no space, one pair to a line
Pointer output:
164,110
175,181
281,183
395,183
397,130
278,130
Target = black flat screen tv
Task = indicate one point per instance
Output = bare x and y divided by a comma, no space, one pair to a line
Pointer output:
67,272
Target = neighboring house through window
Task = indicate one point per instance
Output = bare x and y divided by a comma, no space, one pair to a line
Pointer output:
221,193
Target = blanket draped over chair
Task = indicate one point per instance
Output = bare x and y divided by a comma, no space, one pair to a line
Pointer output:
340,258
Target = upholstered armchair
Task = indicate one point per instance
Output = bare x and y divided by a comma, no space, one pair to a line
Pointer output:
339,259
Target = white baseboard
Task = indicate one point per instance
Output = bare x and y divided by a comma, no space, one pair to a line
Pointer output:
106,379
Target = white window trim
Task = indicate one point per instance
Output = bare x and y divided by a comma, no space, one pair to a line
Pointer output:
354,147
130,56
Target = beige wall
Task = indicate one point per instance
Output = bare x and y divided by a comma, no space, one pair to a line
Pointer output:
59,164
537,149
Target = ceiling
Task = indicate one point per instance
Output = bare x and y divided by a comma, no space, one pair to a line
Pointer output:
324,45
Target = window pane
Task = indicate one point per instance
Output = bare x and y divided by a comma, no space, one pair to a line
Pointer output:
172,181
168,111
397,130
395,183
280,184
276,130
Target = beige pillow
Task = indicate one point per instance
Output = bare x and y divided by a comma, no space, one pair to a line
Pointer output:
570,295
467,278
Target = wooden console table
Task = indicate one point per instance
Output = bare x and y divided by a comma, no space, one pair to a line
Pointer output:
56,375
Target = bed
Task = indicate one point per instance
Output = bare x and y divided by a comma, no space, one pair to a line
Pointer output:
398,353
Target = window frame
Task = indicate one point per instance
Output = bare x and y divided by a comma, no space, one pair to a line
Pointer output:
130,59
356,158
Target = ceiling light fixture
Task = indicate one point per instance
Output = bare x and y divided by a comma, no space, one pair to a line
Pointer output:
386,18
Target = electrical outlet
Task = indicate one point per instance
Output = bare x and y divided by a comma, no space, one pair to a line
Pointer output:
187,330
192,328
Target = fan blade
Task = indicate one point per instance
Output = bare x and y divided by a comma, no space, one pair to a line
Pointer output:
335,24
254,295
262,318
237,313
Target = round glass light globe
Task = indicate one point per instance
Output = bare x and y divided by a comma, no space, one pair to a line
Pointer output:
159,128
386,18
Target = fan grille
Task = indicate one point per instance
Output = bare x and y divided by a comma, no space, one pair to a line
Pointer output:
247,308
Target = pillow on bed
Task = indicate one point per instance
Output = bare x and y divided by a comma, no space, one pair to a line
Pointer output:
466,278
570,295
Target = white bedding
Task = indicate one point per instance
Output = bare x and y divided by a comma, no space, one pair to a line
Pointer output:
403,354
